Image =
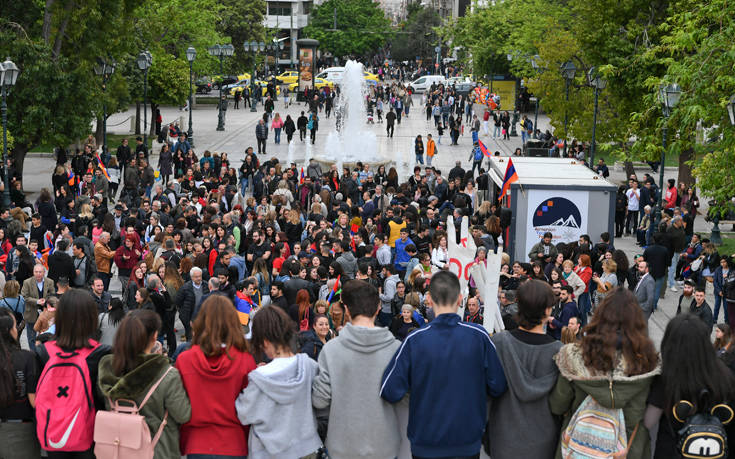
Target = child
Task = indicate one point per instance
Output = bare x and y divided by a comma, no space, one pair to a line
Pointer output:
277,400
46,319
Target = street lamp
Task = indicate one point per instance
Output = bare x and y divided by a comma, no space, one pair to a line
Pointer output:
8,76
252,46
437,51
668,96
568,70
191,54
598,84
145,59
534,99
221,51
105,70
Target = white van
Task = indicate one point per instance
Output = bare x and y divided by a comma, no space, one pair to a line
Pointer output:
423,83
333,74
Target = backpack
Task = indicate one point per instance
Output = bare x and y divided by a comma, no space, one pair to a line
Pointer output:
64,404
596,432
123,433
703,434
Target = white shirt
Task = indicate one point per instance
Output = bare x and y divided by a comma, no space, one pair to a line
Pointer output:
634,198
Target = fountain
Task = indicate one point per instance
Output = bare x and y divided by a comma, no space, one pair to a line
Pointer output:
353,142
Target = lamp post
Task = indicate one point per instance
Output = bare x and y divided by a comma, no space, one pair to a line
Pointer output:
252,46
144,63
598,84
568,70
105,70
437,51
534,99
221,51
8,76
669,96
191,54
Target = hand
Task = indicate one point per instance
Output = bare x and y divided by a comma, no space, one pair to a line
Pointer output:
41,301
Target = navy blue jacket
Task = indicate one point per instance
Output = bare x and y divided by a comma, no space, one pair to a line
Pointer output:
449,367
560,321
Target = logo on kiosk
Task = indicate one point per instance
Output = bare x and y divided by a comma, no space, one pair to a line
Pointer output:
559,216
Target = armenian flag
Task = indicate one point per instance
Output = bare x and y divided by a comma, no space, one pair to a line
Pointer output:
70,177
334,290
101,165
510,177
483,148
301,180
244,306
49,238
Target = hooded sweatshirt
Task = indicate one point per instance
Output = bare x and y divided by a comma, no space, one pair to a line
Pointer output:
361,424
521,423
277,405
169,396
213,384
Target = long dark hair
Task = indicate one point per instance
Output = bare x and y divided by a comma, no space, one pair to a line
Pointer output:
116,312
131,339
7,345
76,319
690,364
619,325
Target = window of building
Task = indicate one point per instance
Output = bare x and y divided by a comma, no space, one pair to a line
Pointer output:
279,8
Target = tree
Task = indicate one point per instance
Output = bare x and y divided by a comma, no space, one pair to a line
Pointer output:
242,20
361,27
416,36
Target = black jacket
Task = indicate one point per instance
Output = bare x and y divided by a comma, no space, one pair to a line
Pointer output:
658,260
185,298
292,287
60,264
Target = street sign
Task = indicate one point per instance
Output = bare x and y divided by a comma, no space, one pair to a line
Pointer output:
438,49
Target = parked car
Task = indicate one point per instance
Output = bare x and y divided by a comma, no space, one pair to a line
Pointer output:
288,77
463,89
223,80
319,84
203,85
240,85
423,83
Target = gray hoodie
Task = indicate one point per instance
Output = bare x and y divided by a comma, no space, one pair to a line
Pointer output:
361,424
520,423
278,408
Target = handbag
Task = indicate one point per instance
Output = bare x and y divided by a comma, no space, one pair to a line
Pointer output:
696,264
20,323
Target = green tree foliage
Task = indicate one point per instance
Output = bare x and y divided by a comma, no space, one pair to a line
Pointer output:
241,20
361,27
416,36
168,80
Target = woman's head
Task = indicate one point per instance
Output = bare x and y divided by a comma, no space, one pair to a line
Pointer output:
567,266
618,326
273,331
142,296
609,266
76,319
11,289
217,328
136,334
584,260
321,325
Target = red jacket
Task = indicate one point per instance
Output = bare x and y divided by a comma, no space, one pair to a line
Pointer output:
584,273
213,384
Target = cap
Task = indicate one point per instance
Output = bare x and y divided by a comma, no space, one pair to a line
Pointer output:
119,207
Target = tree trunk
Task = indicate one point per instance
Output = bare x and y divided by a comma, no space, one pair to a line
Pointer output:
685,170
137,118
19,155
152,130
629,169
98,134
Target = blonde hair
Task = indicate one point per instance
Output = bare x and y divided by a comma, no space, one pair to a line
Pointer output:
86,211
609,266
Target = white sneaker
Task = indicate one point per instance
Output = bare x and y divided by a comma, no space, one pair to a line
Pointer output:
674,289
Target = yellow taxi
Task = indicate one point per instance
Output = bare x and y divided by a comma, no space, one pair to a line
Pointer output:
244,76
288,77
240,85
371,77
319,84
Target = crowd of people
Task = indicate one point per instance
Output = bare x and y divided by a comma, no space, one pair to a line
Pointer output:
256,311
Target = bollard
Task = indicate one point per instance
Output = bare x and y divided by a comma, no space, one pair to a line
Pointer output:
132,124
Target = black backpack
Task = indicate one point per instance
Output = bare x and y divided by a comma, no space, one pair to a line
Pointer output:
703,435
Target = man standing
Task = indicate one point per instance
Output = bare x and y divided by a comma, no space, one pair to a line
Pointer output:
543,251
103,256
700,308
402,256
123,154
462,356
277,297
189,296
82,266
431,149
60,263
476,157
657,260
36,290
101,297
261,135
645,290
301,123
561,314
419,149
390,121
350,367
677,242
634,200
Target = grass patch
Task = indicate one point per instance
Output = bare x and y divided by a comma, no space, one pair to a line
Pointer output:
728,244
113,140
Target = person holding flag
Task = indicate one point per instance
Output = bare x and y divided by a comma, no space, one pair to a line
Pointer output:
476,156
243,301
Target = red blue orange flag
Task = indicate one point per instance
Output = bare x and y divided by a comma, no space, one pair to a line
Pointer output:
510,177
484,149
101,165
70,178
301,180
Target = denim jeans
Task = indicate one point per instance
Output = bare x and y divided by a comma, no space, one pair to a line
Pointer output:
660,283
428,160
496,131
244,185
585,305
277,135
420,159
719,301
672,269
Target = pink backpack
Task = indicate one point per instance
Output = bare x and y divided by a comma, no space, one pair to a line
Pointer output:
64,403
123,433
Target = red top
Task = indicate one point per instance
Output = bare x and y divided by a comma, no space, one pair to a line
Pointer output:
213,384
584,273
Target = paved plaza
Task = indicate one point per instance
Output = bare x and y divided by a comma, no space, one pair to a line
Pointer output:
240,133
